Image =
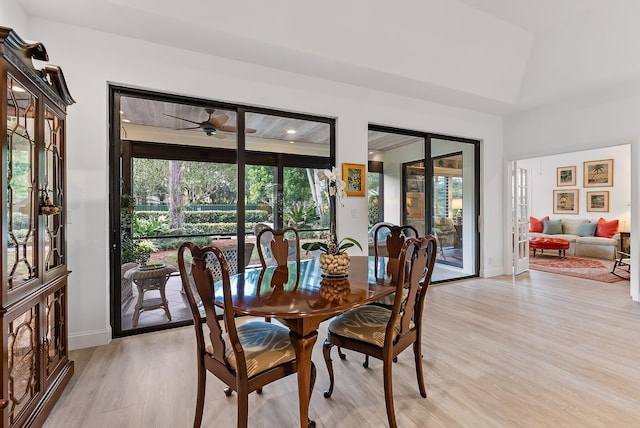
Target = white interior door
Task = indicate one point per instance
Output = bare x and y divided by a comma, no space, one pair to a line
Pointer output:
520,218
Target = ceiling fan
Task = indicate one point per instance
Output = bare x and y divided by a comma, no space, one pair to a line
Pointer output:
213,124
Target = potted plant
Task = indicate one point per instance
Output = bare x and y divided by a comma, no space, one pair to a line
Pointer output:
131,250
334,260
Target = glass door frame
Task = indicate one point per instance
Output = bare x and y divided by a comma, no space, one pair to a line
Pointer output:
429,174
121,154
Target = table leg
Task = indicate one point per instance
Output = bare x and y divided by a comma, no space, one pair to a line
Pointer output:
303,347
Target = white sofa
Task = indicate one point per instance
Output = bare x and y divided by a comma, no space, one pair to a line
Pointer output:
584,246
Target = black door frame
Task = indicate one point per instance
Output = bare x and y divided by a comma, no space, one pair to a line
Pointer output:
121,152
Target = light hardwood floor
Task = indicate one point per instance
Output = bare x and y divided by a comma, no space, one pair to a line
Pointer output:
538,351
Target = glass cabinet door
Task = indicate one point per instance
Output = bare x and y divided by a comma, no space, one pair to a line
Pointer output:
21,191
54,192
23,362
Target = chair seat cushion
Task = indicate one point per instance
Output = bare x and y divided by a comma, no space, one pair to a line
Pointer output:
266,345
366,324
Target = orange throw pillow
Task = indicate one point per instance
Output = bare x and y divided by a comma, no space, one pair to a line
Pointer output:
606,229
536,225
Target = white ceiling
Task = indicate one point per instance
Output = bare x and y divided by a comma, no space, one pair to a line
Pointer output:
535,16
496,56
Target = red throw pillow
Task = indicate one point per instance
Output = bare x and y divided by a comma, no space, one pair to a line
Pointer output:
606,229
536,225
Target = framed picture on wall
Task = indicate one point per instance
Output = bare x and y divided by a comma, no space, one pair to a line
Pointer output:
598,201
566,201
598,173
566,176
354,176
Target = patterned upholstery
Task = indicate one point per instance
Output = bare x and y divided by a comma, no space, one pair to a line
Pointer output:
366,323
388,300
265,345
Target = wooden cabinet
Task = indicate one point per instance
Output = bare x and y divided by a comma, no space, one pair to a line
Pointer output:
33,300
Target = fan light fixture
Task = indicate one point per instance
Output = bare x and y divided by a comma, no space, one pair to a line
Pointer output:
291,131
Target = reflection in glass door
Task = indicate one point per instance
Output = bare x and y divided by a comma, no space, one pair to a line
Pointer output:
414,195
447,208
454,207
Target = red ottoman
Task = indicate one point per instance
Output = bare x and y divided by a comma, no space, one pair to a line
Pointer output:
549,244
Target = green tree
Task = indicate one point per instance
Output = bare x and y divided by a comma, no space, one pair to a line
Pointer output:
259,187
150,180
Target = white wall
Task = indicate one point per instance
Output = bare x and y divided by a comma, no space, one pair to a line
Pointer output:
580,124
543,183
91,59
13,16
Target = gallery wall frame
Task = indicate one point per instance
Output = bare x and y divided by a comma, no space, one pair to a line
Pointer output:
355,178
598,201
598,173
566,201
566,176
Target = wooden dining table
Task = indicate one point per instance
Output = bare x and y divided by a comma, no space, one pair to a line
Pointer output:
302,303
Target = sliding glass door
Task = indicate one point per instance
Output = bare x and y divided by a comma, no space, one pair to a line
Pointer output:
439,196
210,173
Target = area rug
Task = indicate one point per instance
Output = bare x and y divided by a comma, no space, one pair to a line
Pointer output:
580,267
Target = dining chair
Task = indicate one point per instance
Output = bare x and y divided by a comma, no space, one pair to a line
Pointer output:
277,247
246,356
384,333
230,252
394,238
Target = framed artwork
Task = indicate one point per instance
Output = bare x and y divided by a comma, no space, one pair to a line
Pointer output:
354,176
598,201
566,176
598,173
566,201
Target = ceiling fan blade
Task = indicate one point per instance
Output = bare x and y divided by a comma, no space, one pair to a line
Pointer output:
234,129
181,118
228,128
219,120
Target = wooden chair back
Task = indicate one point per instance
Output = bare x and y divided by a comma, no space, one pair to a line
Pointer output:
395,239
418,255
283,247
203,281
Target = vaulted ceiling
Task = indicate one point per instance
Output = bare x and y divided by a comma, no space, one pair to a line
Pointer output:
495,56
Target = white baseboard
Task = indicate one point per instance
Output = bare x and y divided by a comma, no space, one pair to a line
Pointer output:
89,339
495,271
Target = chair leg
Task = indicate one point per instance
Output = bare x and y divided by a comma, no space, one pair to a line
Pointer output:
313,379
388,392
366,361
342,355
417,352
326,351
202,384
243,407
